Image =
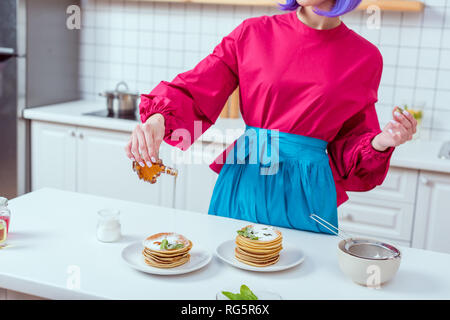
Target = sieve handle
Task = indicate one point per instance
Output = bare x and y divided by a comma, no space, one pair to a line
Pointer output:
327,225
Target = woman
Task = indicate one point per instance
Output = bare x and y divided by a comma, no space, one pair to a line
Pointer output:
308,87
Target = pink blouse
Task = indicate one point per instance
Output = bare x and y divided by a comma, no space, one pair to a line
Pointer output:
291,77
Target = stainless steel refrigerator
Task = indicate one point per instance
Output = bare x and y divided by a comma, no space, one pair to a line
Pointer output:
38,66
10,81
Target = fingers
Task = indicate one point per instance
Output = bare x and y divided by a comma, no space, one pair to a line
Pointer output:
157,140
149,143
128,150
405,118
401,118
411,119
155,134
146,140
135,149
143,149
399,133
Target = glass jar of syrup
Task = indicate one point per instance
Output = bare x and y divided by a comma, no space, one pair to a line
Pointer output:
5,216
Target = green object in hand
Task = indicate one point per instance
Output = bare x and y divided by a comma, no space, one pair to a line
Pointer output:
245,294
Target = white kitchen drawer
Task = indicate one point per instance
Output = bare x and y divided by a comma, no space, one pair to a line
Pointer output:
377,218
399,185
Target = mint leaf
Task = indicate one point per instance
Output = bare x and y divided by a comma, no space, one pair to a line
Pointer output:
242,233
164,244
247,293
176,246
232,296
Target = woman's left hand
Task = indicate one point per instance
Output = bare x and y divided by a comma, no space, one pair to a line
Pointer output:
396,132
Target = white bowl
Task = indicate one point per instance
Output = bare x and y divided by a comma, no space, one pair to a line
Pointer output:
370,272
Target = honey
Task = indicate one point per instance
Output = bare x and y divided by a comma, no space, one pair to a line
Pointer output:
150,174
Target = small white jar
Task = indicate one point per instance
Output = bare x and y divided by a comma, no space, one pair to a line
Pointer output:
108,227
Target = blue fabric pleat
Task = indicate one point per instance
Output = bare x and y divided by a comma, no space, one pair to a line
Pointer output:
276,178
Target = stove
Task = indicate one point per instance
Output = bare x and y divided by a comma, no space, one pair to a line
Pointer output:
106,114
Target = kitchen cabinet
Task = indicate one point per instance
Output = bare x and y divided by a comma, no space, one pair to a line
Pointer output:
53,156
90,161
103,168
196,180
432,219
386,212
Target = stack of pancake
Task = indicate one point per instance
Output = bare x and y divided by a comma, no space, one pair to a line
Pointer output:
166,250
258,246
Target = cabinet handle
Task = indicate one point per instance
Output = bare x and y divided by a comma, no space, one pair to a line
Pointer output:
424,180
80,135
72,133
347,216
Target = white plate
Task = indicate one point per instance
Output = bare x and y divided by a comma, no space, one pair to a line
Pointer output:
290,256
132,255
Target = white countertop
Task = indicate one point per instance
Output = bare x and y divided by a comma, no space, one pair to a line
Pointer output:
418,154
73,113
52,230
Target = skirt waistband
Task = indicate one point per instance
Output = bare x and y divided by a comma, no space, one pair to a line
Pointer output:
266,146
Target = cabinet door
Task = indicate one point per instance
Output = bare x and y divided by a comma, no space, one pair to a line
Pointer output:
400,185
432,217
377,218
103,168
195,182
53,156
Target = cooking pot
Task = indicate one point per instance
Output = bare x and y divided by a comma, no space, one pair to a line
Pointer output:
121,102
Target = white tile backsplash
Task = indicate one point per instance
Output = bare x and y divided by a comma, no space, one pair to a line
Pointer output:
144,42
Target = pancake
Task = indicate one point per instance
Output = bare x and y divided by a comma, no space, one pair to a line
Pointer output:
166,250
264,264
258,245
256,256
174,264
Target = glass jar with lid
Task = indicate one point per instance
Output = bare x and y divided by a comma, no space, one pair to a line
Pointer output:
5,216
108,227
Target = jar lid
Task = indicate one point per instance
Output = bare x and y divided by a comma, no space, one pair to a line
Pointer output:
3,202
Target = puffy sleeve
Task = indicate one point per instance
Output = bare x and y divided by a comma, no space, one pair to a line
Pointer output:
356,165
193,100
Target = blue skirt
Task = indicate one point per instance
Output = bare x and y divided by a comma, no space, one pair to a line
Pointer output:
276,178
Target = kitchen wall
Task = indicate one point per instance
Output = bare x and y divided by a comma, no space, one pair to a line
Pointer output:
144,43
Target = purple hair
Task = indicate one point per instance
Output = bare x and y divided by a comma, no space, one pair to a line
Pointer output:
339,8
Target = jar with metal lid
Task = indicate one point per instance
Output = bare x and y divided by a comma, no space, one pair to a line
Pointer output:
5,216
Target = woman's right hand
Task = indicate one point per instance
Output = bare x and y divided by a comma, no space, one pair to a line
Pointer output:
145,140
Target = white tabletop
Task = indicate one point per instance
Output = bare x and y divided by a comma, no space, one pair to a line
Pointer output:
52,230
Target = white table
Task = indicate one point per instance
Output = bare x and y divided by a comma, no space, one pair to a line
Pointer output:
53,234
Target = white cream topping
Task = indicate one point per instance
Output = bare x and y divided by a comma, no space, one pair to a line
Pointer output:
172,239
264,233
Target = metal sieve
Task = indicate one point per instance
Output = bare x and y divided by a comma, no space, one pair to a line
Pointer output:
359,247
